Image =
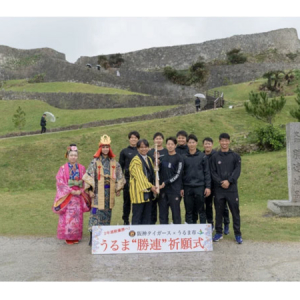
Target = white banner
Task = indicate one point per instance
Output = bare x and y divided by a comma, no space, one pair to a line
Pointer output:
151,238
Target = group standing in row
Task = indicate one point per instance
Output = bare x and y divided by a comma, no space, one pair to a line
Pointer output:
200,178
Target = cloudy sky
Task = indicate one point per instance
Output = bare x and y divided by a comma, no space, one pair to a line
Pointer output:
90,36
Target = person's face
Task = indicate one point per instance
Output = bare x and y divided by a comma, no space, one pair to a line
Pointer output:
158,140
143,150
224,143
207,146
181,140
133,140
105,149
192,144
171,146
72,157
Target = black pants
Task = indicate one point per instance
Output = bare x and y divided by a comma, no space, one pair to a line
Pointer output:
194,204
154,211
127,202
166,201
43,129
141,213
232,198
209,211
197,108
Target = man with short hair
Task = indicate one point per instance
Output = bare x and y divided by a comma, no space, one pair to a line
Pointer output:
142,188
209,152
196,182
170,175
125,158
182,147
225,171
158,138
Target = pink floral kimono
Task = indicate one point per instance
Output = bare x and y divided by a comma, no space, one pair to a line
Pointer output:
70,207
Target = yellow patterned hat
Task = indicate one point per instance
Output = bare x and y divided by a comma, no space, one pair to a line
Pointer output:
105,140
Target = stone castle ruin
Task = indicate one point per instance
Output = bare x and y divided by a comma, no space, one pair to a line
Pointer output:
142,70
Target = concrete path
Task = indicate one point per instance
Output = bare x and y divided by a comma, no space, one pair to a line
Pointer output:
48,259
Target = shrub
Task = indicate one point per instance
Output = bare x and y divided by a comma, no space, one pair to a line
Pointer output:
37,78
19,119
235,57
292,56
270,138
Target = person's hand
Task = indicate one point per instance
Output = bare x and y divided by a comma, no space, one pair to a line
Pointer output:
78,192
225,184
153,189
92,195
207,192
182,193
162,186
73,192
118,193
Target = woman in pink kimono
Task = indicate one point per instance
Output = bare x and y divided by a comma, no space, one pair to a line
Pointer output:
71,201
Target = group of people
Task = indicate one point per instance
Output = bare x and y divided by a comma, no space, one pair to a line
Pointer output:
153,182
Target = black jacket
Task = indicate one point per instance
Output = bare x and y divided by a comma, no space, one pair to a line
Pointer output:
209,156
43,121
182,149
126,155
196,170
225,166
170,172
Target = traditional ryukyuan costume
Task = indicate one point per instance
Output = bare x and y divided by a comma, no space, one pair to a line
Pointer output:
70,207
104,178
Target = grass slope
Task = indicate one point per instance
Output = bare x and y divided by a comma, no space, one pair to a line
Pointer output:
28,166
60,87
35,108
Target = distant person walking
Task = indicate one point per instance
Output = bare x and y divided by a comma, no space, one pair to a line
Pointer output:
197,104
43,123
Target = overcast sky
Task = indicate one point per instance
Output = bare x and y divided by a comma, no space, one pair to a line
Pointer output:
90,36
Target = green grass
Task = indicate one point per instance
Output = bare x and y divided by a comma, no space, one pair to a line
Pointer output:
236,94
61,87
35,108
29,212
28,166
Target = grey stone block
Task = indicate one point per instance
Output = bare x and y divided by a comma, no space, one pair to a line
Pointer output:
284,208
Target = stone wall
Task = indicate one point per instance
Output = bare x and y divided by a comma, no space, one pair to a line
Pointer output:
94,101
181,57
152,83
232,74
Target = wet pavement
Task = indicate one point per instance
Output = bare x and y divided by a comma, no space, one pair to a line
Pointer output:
49,259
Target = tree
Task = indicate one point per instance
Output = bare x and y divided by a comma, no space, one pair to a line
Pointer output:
295,113
273,75
262,108
19,119
289,76
235,57
198,72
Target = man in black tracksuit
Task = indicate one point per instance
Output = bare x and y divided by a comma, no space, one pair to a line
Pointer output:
196,182
209,152
158,138
170,175
182,147
126,155
225,171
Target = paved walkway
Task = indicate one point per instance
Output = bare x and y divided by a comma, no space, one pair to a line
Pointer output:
48,259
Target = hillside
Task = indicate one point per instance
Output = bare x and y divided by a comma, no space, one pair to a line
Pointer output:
33,161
